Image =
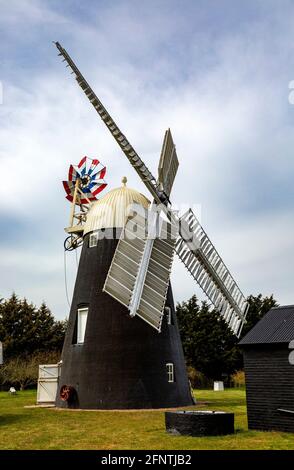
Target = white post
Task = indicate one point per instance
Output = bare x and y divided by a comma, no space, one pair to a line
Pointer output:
218,386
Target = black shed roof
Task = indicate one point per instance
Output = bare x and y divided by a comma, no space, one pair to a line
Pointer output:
277,326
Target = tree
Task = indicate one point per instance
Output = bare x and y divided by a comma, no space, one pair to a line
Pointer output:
207,341
209,345
258,307
49,332
23,372
25,329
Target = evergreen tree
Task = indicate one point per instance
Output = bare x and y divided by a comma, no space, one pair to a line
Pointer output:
24,329
207,341
49,332
209,345
258,307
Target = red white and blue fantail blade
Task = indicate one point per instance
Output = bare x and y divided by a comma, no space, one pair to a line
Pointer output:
99,188
90,183
100,174
82,166
68,186
94,164
72,173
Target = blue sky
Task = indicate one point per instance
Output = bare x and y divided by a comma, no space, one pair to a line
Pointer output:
215,72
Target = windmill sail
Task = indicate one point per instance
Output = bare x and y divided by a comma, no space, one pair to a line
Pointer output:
212,275
154,293
140,270
168,164
120,138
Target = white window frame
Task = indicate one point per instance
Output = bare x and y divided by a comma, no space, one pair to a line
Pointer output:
93,240
168,315
81,325
170,372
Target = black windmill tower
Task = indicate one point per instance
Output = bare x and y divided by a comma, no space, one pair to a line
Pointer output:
122,347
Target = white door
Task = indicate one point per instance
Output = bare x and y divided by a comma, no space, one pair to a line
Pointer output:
48,383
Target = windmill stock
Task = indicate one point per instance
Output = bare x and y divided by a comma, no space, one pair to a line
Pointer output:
137,271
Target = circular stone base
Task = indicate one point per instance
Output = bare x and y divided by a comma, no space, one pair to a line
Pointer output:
199,423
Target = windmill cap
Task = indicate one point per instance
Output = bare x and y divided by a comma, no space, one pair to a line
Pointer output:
112,209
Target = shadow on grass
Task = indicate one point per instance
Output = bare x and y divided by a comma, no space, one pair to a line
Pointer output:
240,431
221,402
12,418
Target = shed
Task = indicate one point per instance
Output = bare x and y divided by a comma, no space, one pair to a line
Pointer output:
269,371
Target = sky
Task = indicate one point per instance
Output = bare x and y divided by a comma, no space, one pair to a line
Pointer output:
217,73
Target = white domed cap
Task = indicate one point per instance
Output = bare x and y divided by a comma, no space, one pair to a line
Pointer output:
112,210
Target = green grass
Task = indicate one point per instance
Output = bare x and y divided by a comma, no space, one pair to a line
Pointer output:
36,428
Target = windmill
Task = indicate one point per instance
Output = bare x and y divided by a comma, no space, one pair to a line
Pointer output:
131,278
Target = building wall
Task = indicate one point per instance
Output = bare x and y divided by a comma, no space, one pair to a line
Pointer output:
122,363
269,386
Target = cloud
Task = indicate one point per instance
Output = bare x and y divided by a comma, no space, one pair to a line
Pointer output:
219,80
27,13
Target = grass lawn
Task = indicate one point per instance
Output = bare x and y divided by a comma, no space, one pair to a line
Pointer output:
36,428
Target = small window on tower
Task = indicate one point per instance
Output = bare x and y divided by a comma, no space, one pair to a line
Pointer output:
93,240
168,315
82,322
170,372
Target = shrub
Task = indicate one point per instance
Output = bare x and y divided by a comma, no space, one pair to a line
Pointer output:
198,379
238,379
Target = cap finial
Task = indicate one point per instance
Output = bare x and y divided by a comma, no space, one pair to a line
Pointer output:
124,180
